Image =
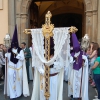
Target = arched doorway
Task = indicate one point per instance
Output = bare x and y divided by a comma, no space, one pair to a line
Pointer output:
64,14
87,8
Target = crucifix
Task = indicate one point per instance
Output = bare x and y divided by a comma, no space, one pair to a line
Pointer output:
47,30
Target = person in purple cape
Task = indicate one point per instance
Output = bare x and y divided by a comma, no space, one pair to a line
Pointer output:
17,83
78,80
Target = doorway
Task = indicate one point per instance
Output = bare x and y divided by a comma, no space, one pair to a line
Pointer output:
64,14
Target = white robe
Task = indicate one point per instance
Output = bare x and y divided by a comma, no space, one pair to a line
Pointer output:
56,85
17,83
74,82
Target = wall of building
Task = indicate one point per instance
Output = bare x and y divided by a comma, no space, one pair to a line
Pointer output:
3,19
11,16
98,37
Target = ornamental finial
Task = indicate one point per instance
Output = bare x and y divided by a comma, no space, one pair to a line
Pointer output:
73,29
47,28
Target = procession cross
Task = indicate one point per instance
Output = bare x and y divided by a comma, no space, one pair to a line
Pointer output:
47,30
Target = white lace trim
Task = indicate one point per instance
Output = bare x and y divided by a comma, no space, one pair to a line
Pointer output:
61,46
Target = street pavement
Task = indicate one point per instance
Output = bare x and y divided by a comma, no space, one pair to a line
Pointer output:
92,92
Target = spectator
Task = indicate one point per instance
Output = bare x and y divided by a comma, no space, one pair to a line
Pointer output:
27,55
92,57
2,62
3,65
96,72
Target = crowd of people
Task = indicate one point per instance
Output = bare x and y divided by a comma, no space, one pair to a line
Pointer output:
93,56
84,68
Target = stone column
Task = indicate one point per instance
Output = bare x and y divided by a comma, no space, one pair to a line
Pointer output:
98,36
18,19
24,37
95,22
11,16
89,23
18,22
95,27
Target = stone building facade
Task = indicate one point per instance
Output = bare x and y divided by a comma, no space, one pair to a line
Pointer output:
3,19
20,12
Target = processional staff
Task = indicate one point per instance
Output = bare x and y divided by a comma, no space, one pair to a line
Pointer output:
7,42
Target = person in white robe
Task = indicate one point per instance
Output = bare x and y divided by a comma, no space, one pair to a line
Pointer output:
78,80
56,81
17,83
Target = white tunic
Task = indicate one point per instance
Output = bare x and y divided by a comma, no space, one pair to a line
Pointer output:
15,77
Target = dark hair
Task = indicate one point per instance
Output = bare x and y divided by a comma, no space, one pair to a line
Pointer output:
98,52
23,43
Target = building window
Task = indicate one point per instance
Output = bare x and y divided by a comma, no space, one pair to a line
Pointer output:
1,4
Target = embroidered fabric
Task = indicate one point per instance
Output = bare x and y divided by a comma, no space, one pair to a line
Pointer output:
61,48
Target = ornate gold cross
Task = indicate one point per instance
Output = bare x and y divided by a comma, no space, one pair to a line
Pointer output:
47,29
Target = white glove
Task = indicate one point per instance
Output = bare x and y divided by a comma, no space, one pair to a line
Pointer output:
71,59
77,54
71,48
84,57
6,55
14,51
41,71
18,56
56,64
